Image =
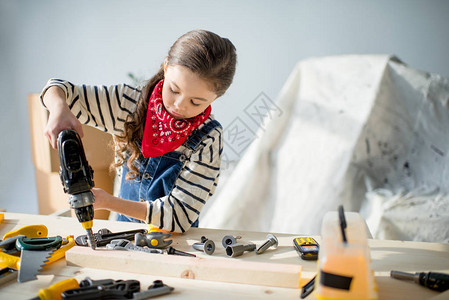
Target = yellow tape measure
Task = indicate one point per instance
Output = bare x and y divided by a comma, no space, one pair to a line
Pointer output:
307,248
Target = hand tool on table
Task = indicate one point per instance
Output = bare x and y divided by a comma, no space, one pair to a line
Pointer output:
35,252
432,280
59,253
229,240
103,289
30,231
152,228
105,236
54,292
9,264
158,288
307,248
8,245
8,260
308,288
122,244
12,261
77,179
206,245
153,240
95,282
7,274
271,241
172,251
344,261
238,249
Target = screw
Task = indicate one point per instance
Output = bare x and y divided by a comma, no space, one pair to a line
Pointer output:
173,251
271,241
238,249
206,245
229,240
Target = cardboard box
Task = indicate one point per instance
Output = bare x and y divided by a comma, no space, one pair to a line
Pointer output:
99,154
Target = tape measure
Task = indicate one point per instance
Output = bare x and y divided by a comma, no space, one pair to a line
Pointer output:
307,248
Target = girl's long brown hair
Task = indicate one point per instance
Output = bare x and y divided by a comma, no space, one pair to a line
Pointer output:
210,56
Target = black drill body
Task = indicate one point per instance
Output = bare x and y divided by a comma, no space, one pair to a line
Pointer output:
432,280
77,179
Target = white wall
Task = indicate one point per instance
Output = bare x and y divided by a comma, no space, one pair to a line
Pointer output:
100,42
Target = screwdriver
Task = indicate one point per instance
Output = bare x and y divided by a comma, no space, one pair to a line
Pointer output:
55,291
432,280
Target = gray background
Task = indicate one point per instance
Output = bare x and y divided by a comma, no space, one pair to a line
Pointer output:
100,42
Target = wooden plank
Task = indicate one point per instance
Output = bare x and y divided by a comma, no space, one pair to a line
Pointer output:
223,270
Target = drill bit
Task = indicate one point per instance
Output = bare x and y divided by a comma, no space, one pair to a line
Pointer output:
404,276
91,238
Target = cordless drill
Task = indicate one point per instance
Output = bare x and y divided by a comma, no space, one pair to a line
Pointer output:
77,179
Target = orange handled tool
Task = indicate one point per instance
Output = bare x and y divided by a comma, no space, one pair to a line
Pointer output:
60,253
55,291
30,231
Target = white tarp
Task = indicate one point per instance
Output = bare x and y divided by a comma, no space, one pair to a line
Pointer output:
364,131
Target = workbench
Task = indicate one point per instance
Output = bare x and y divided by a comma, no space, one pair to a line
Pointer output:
386,255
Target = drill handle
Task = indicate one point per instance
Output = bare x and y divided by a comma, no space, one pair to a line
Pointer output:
435,281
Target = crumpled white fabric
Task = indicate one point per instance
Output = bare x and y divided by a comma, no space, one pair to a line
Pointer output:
351,127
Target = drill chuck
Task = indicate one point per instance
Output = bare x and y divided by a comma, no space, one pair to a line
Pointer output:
81,200
84,211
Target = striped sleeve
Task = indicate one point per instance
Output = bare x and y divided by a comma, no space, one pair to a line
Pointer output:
103,107
194,186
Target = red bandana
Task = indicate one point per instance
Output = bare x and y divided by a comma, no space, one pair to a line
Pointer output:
162,132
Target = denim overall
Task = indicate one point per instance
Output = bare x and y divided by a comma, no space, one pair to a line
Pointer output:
158,174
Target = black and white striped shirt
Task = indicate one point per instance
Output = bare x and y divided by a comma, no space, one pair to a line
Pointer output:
107,107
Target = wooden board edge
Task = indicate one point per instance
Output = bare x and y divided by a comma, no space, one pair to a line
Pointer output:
234,270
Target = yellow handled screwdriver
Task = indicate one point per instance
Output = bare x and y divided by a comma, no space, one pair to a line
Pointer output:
55,291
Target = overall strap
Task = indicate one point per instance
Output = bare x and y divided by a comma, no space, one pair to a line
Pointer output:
199,134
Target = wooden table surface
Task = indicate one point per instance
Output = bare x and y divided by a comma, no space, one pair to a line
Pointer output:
386,256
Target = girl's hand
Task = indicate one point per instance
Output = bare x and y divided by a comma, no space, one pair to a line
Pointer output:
133,209
102,198
60,117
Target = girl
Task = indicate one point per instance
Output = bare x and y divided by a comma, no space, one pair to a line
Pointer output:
167,143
